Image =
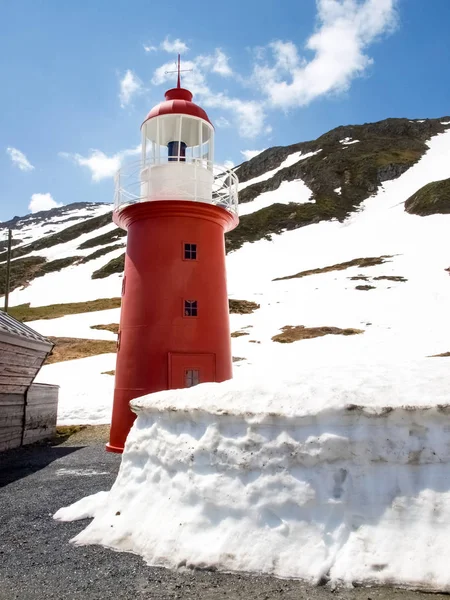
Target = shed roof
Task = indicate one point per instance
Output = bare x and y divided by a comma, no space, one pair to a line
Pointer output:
12,328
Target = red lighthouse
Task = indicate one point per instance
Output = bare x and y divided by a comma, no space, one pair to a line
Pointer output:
176,206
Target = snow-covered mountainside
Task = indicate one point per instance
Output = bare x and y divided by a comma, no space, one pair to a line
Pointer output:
342,246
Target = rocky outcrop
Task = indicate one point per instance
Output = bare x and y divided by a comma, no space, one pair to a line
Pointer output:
432,199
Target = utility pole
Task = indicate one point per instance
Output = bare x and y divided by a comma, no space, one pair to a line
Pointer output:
8,269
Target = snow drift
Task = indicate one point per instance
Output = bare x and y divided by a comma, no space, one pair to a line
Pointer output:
342,475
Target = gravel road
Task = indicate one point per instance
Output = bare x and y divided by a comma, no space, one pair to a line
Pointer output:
37,561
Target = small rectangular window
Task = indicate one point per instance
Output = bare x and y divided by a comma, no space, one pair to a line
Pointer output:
190,308
190,251
191,377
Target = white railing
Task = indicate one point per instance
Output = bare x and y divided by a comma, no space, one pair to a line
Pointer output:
194,179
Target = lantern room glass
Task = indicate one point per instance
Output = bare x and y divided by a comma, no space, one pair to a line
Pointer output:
178,138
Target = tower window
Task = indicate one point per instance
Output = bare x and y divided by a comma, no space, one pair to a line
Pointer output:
190,251
190,308
191,377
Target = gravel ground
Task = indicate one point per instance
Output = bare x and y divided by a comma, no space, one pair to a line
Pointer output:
37,561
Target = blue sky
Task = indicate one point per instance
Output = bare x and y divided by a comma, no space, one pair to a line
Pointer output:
78,78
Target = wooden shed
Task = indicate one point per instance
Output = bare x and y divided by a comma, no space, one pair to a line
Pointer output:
27,410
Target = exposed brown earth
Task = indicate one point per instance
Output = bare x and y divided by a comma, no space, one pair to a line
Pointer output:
356,262
365,288
242,307
25,312
294,333
112,327
443,355
236,334
72,348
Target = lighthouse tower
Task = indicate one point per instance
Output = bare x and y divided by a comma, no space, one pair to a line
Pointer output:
176,206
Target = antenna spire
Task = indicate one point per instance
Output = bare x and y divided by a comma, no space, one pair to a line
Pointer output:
179,71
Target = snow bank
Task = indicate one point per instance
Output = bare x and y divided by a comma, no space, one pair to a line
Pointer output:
342,474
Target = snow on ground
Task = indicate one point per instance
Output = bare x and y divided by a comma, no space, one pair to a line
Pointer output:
72,284
85,395
348,141
338,190
71,248
341,472
289,191
288,162
33,231
79,326
407,319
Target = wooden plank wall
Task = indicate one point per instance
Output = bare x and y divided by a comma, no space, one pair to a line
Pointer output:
40,412
12,407
18,367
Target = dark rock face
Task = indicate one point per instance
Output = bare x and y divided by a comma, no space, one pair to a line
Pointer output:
432,199
384,151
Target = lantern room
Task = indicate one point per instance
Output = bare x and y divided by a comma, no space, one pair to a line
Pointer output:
177,150
178,130
177,159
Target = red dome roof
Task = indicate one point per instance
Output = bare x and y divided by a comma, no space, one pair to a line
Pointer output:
178,102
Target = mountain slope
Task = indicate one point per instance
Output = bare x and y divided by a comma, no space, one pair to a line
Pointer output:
345,256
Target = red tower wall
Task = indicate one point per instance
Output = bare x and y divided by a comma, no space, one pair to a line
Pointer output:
157,342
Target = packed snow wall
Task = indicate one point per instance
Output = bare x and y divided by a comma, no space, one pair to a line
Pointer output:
353,493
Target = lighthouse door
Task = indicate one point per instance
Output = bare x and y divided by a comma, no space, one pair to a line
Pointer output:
187,370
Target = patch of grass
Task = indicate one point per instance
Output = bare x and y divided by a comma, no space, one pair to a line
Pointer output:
65,235
101,240
238,358
443,355
236,334
242,307
113,327
73,348
365,288
116,265
99,252
25,312
63,432
108,372
432,199
356,262
294,333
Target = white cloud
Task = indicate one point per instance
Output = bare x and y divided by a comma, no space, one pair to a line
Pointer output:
40,202
222,122
249,115
175,47
216,63
150,48
100,165
130,85
19,159
249,154
228,164
345,29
